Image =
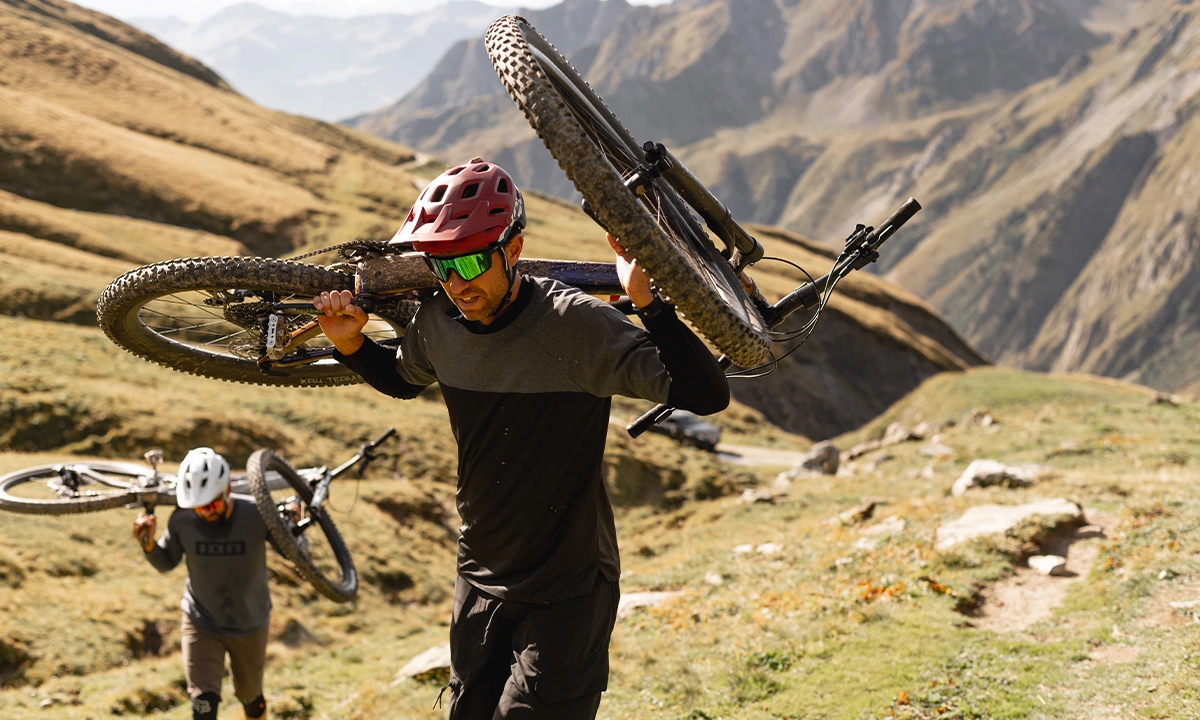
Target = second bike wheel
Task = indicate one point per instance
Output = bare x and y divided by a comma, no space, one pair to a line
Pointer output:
72,488
597,153
208,316
318,553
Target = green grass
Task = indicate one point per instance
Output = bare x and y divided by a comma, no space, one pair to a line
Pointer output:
819,629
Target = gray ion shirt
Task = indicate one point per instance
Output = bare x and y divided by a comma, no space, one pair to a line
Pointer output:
226,588
529,398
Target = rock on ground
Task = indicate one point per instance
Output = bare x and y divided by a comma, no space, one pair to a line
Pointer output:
428,663
1049,564
985,473
979,416
821,459
988,519
632,601
855,515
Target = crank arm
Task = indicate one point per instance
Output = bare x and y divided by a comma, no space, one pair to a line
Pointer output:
302,335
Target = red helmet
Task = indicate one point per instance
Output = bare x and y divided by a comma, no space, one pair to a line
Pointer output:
466,208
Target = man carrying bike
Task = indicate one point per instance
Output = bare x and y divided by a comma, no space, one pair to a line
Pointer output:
527,367
226,602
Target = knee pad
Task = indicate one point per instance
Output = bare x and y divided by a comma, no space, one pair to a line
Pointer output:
256,708
205,706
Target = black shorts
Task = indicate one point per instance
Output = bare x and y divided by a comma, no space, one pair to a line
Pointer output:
512,660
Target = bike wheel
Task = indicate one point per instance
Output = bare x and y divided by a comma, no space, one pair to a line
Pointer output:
318,553
597,153
72,488
207,316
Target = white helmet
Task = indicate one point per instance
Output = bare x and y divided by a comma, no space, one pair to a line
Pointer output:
203,477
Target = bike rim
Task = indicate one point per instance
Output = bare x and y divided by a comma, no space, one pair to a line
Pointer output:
323,556
217,324
65,484
672,214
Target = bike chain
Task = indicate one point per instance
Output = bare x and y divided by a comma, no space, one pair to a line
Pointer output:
368,245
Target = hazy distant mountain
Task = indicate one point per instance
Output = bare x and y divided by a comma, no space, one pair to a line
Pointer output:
324,67
1050,141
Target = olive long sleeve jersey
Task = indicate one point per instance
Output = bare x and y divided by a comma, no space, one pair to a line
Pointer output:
529,398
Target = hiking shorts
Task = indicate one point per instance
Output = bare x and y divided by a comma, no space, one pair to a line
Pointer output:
519,661
204,660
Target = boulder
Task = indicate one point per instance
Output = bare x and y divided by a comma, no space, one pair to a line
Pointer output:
897,433
822,459
428,665
855,515
632,601
757,495
979,416
861,449
989,519
928,429
1049,564
985,473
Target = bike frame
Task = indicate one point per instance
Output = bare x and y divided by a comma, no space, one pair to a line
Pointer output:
323,476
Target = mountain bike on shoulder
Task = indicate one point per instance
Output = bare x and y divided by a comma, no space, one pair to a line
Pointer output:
252,320
277,488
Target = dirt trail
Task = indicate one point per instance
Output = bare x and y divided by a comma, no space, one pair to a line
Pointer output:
1028,596
747,455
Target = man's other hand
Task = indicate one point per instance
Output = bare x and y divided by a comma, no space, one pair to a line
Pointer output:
633,278
342,321
143,529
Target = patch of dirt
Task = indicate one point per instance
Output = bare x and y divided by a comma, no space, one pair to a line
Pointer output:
1114,654
1159,613
1028,597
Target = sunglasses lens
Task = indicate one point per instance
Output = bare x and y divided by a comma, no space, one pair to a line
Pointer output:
468,267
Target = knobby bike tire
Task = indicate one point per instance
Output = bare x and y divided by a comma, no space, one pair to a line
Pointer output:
688,270
121,305
338,590
124,492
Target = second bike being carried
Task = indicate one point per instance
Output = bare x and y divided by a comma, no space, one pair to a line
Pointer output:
308,538
250,319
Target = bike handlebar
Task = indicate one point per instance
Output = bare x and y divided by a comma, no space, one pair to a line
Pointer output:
363,457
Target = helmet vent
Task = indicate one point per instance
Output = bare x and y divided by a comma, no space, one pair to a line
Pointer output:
502,186
456,170
439,193
470,191
481,168
497,210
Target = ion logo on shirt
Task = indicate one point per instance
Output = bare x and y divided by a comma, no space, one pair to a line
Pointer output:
233,547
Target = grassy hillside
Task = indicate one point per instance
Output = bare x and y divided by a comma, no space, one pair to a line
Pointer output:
824,626
113,155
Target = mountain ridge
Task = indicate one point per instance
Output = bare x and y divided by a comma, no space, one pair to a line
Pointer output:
1004,118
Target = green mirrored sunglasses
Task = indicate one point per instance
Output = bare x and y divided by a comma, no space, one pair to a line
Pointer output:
468,267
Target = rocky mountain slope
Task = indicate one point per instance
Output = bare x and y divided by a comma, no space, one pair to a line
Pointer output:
1047,139
323,67
110,159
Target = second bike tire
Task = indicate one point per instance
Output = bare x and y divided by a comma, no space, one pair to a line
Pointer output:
123,492
696,279
343,589
120,305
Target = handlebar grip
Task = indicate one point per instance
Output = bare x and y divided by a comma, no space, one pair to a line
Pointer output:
656,415
906,212
374,443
